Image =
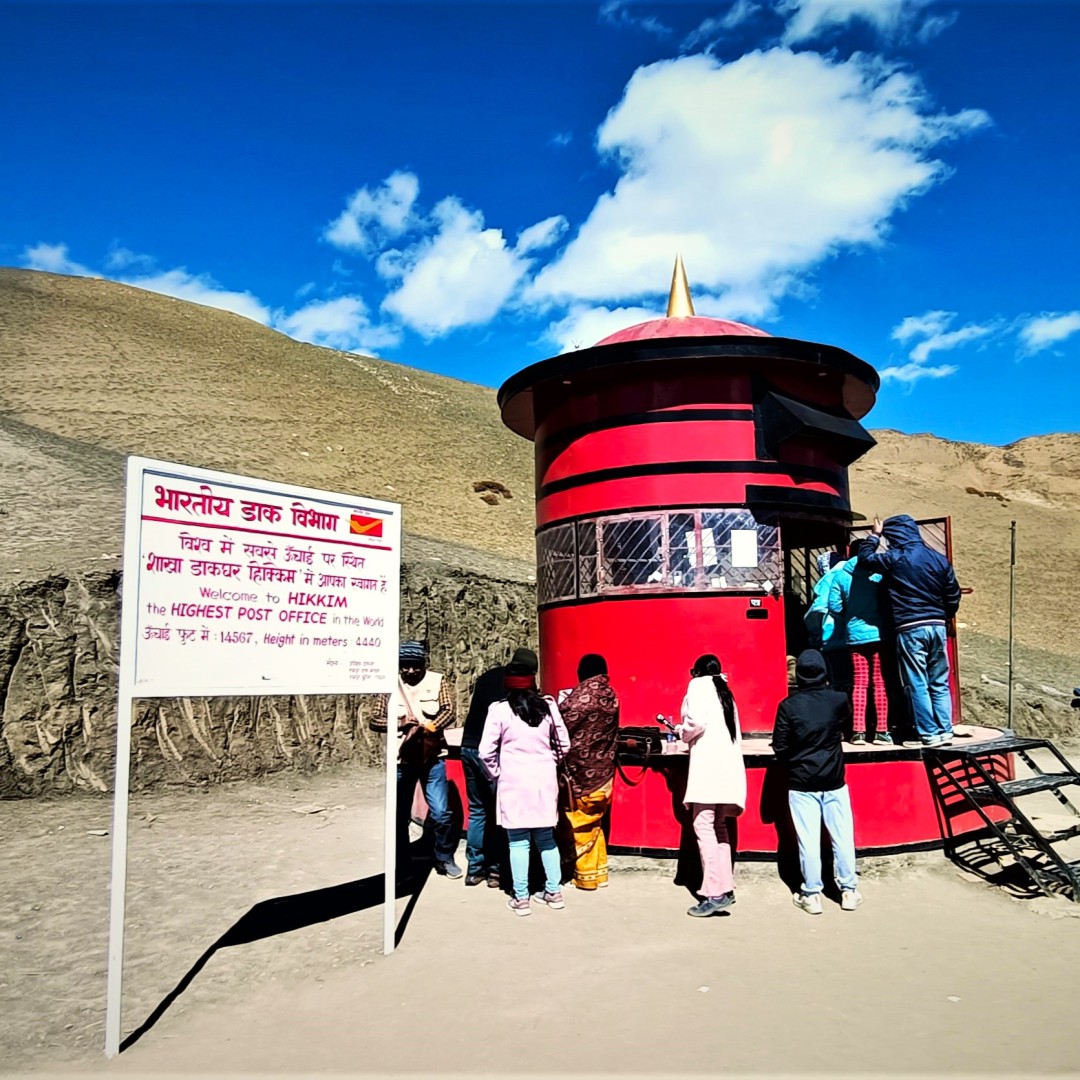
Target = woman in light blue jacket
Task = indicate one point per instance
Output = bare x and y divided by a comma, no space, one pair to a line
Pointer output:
855,605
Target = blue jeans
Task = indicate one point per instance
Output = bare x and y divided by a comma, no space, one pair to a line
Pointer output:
808,810
924,669
437,792
482,841
519,859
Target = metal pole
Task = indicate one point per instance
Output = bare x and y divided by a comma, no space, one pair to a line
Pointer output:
1012,615
390,834
125,698
118,882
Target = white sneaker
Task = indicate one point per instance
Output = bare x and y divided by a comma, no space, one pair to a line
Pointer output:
810,903
850,899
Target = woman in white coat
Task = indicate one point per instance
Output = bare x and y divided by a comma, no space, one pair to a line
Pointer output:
716,779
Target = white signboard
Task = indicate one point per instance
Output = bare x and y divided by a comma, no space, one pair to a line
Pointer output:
241,586
235,586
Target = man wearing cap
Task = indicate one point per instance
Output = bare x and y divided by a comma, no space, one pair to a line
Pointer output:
485,842
424,706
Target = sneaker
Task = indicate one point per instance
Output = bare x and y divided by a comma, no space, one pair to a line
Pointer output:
859,738
809,902
552,899
850,899
475,879
448,868
883,738
942,740
916,744
520,907
711,905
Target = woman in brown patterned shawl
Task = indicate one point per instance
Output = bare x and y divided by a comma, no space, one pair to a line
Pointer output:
591,713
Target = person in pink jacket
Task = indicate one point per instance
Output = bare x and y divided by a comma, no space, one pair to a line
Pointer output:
523,735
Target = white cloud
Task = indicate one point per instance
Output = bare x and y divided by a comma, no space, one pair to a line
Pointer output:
122,258
342,323
949,340
461,276
756,170
616,13
1048,329
933,322
811,18
372,217
451,271
933,330
562,138
54,259
583,326
927,334
715,27
541,235
202,289
912,373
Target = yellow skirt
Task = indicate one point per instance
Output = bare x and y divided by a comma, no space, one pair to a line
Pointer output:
590,847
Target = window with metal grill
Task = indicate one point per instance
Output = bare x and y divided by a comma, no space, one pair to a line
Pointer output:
705,550
555,559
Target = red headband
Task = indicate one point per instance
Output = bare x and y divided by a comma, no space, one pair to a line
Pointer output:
520,682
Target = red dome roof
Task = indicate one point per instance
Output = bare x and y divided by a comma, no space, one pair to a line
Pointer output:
688,326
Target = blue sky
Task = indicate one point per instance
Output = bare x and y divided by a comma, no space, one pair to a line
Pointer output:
468,188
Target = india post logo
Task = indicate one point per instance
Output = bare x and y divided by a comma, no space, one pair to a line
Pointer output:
362,525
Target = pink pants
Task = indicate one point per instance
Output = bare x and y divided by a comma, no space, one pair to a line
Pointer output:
710,828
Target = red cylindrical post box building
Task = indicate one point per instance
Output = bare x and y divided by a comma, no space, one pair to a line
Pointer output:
679,464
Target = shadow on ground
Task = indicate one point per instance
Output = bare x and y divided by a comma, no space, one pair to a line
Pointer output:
988,858
283,914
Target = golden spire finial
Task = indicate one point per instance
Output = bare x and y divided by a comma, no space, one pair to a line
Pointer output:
679,305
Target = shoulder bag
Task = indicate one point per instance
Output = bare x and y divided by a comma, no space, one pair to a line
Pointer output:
567,795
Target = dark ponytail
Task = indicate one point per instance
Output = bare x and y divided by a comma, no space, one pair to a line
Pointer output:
528,705
709,664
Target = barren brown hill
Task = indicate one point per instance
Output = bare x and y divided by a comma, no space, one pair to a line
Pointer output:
94,370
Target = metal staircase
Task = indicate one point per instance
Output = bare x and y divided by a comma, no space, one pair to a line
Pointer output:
978,779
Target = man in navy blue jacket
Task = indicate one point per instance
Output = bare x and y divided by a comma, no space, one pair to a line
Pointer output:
923,595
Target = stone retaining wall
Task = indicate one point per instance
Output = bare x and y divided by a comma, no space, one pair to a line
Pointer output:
58,665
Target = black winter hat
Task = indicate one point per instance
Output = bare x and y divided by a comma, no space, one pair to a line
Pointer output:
810,669
523,662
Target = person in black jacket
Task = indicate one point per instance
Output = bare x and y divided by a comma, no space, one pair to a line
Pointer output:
807,736
485,842
923,595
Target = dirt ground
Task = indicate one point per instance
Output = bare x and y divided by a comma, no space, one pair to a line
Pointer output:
935,973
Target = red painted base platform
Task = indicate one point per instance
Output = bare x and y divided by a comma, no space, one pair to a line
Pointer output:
892,788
